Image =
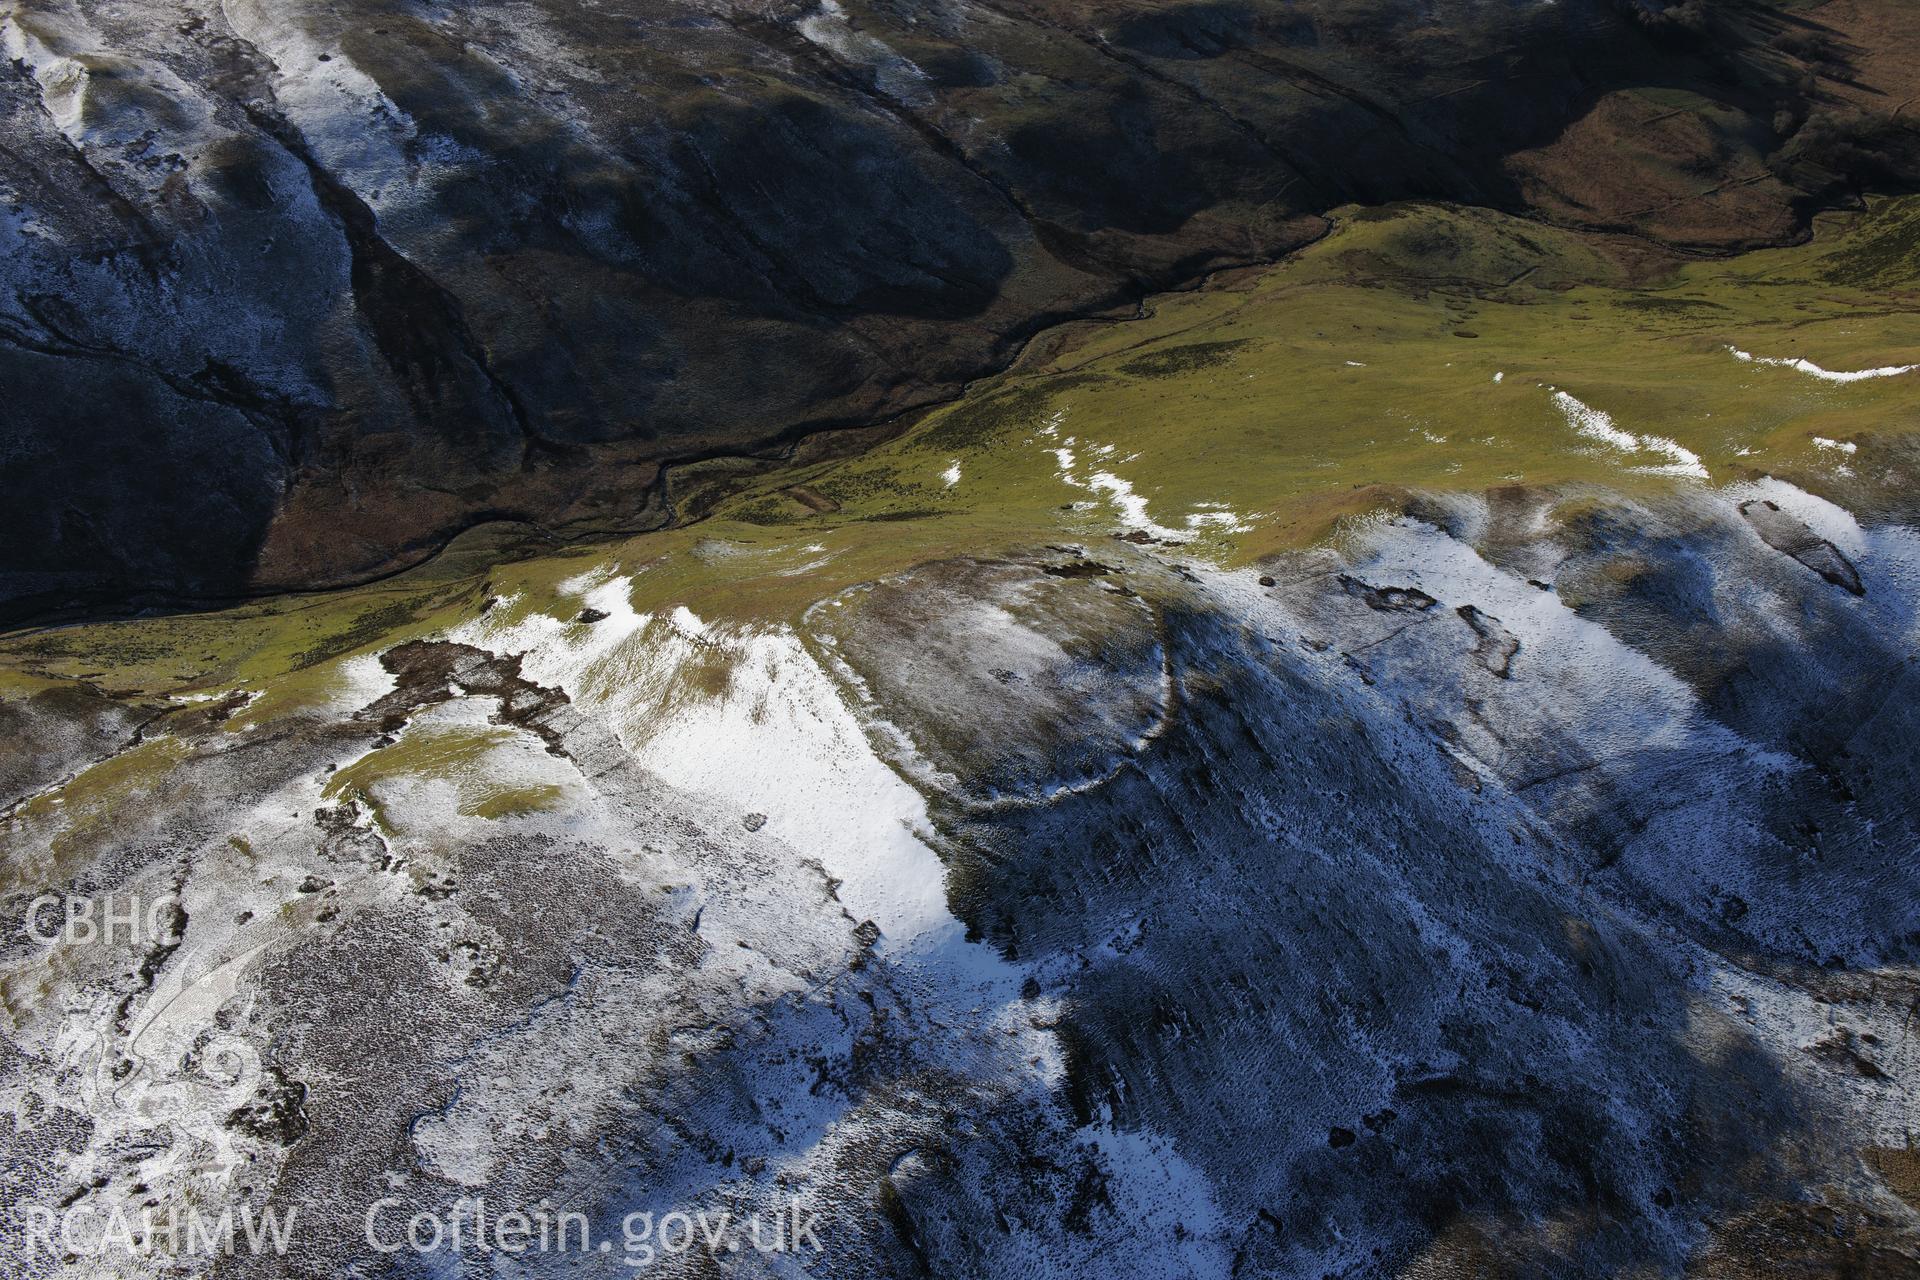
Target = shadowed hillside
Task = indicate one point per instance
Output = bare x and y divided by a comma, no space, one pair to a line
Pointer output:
295,291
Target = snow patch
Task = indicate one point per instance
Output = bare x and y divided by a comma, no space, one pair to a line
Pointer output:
1598,425
1811,369
564,653
362,681
1132,506
894,75
1594,424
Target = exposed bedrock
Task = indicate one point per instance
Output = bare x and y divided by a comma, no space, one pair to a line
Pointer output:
1481,924
294,291
1522,886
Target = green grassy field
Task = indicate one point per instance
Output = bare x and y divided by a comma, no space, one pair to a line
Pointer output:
1412,348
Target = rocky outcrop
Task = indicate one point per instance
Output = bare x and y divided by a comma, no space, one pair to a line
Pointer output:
1790,536
1296,927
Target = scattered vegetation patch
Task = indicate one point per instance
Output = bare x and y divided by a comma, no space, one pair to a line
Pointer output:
973,423
442,753
1190,358
1661,303
509,802
366,627
768,512
1885,253
911,513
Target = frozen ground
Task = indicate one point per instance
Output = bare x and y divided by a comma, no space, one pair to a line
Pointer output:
1528,876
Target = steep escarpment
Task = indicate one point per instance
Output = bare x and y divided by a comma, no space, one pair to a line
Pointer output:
1402,763
294,292
1409,905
